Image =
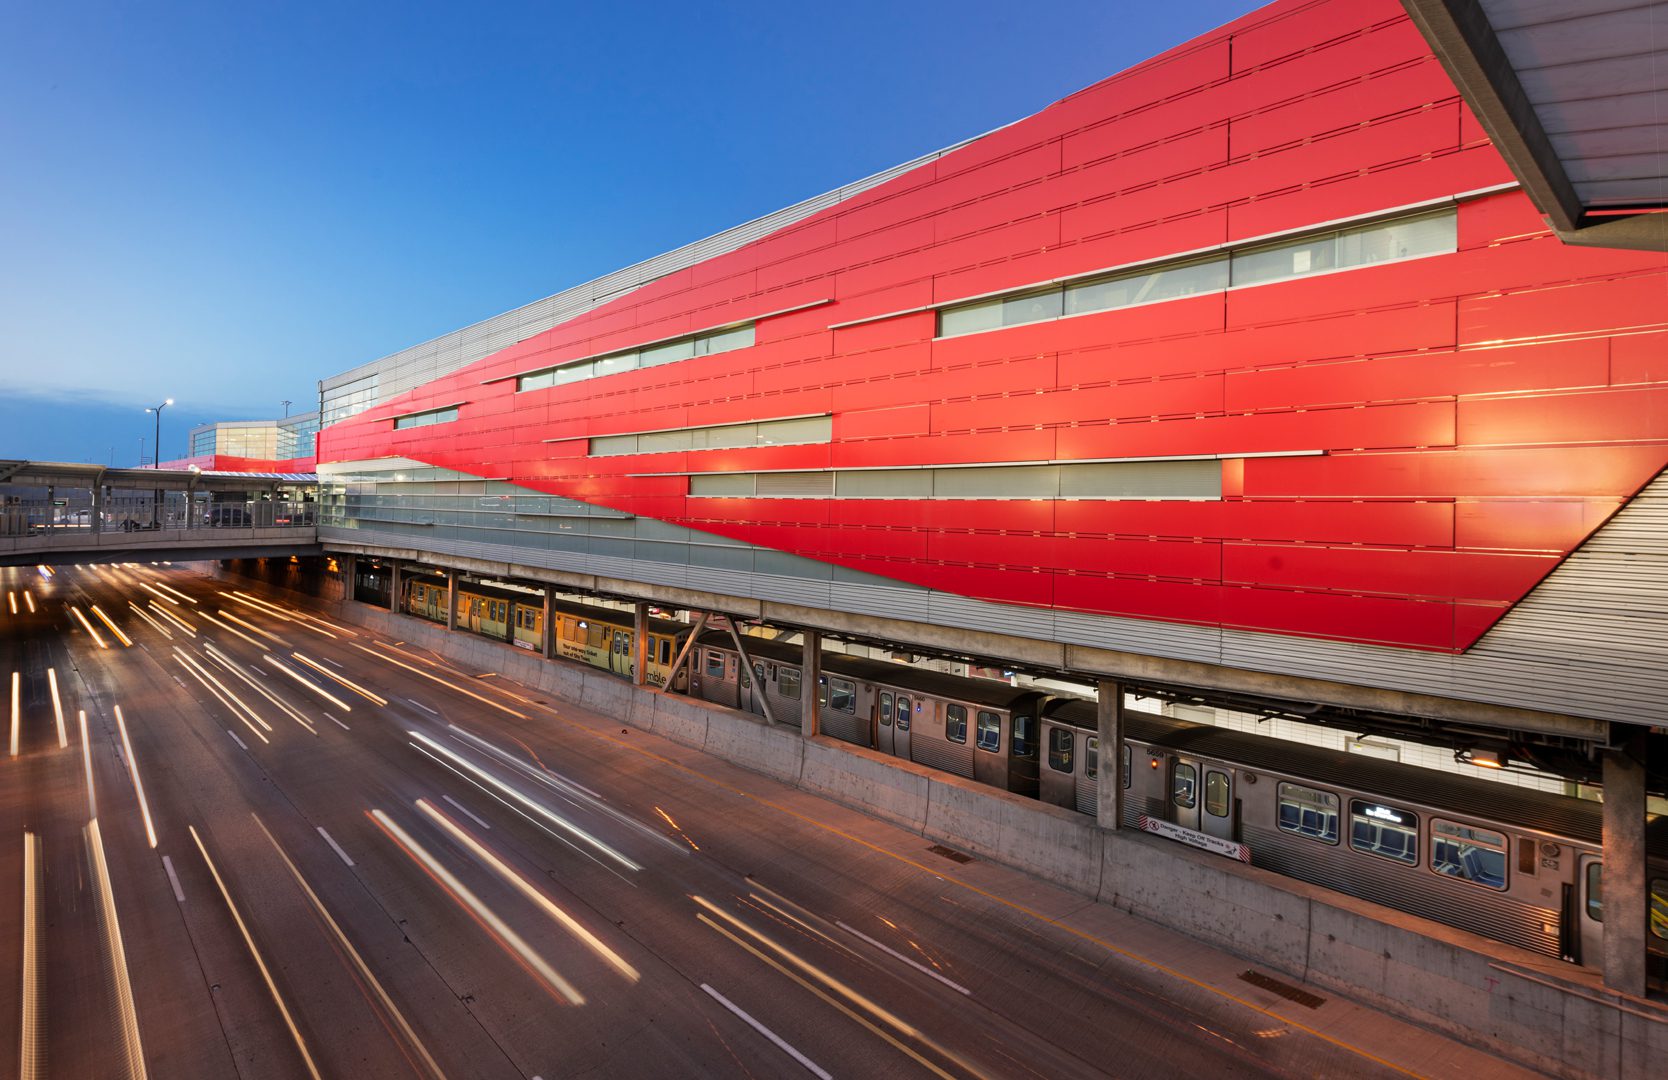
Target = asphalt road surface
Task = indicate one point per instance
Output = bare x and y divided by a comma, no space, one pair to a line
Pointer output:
242,842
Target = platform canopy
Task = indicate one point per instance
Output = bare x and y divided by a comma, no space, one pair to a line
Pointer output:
81,474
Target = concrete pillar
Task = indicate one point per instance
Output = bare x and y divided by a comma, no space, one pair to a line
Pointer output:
51,507
1623,881
1109,790
640,644
810,685
547,636
99,491
349,566
394,602
451,599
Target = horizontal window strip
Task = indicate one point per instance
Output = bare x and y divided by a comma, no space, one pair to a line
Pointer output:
797,431
1183,479
1393,240
427,417
686,348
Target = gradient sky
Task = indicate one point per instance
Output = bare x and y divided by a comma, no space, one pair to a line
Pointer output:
223,203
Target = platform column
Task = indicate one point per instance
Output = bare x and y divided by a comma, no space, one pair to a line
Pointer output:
451,599
1109,790
394,603
99,496
1624,870
640,644
547,635
349,565
810,685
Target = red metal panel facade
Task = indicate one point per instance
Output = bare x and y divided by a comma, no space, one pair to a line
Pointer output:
1471,417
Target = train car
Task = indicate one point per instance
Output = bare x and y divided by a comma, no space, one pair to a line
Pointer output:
1513,864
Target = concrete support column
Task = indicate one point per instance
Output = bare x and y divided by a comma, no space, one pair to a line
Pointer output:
810,685
394,583
1109,790
349,565
1624,871
547,636
640,644
451,599
99,494
51,507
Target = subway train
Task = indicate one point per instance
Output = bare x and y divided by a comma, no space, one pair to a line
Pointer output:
1512,864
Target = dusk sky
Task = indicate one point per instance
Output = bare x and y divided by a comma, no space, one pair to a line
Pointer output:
225,203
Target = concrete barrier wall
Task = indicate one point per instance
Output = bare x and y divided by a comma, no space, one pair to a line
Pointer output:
1519,1005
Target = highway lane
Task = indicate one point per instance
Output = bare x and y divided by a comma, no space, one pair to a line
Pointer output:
394,868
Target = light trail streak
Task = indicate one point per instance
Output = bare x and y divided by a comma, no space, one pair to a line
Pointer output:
294,615
159,592
499,928
231,630
239,702
29,598
258,605
358,961
349,683
11,598
30,1040
133,1051
100,641
114,629
308,683
163,585
175,619
442,682
133,771
776,1040
252,628
530,803
260,962
209,685
87,764
17,709
230,665
57,707
562,918
46,571
163,630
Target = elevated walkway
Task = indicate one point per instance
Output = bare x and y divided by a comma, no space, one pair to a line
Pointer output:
71,545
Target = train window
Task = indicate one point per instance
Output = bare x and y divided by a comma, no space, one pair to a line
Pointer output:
1595,891
715,665
1091,756
989,735
1126,766
842,695
955,723
1059,749
1184,786
1384,831
1308,812
666,653
886,710
903,714
787,682
1023,741
1216,793
1659,907
1470,854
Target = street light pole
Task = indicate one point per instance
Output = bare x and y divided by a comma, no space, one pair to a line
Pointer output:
156,461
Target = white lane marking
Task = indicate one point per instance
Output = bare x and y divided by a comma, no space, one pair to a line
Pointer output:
337,848
333,663
237,740
337,722
173,878
476,818
181,681
781,1044
922,968
425,708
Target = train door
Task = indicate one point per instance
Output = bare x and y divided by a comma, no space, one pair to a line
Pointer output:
1590,909
903,718
1218,803
1184,793
883,722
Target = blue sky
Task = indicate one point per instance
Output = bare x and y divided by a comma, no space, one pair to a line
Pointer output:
223,203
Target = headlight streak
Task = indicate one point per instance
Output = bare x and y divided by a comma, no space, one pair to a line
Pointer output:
29,598
359,964
496,926
442,682
133,771
349,683
100,641
532,804
231,630
209,683
165,587
133,1051
159,592
57,707
308,683
29,1048
231,665
175,619
829,981
252,628
569,790
267,609
87,764
272,987
46,571
566,921
163,630
17,709
126,641
291,614
11,598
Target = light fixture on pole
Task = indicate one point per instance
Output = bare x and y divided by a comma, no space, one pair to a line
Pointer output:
156,461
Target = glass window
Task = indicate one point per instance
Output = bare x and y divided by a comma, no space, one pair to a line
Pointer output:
842,695
1283,261
571,373
1023,740
955,723
1385,831
1060,742
739,337
1184,786
1308,812
715,665
902,713
666,651
1659,907
885,710
672,351
1091,757
1433,234
1595,891
1468,853
613,365
787,682
989,736
1216,793
970,319
1029,309
424,419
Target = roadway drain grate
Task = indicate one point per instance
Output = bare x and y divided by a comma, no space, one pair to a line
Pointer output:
1290,993
950,853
